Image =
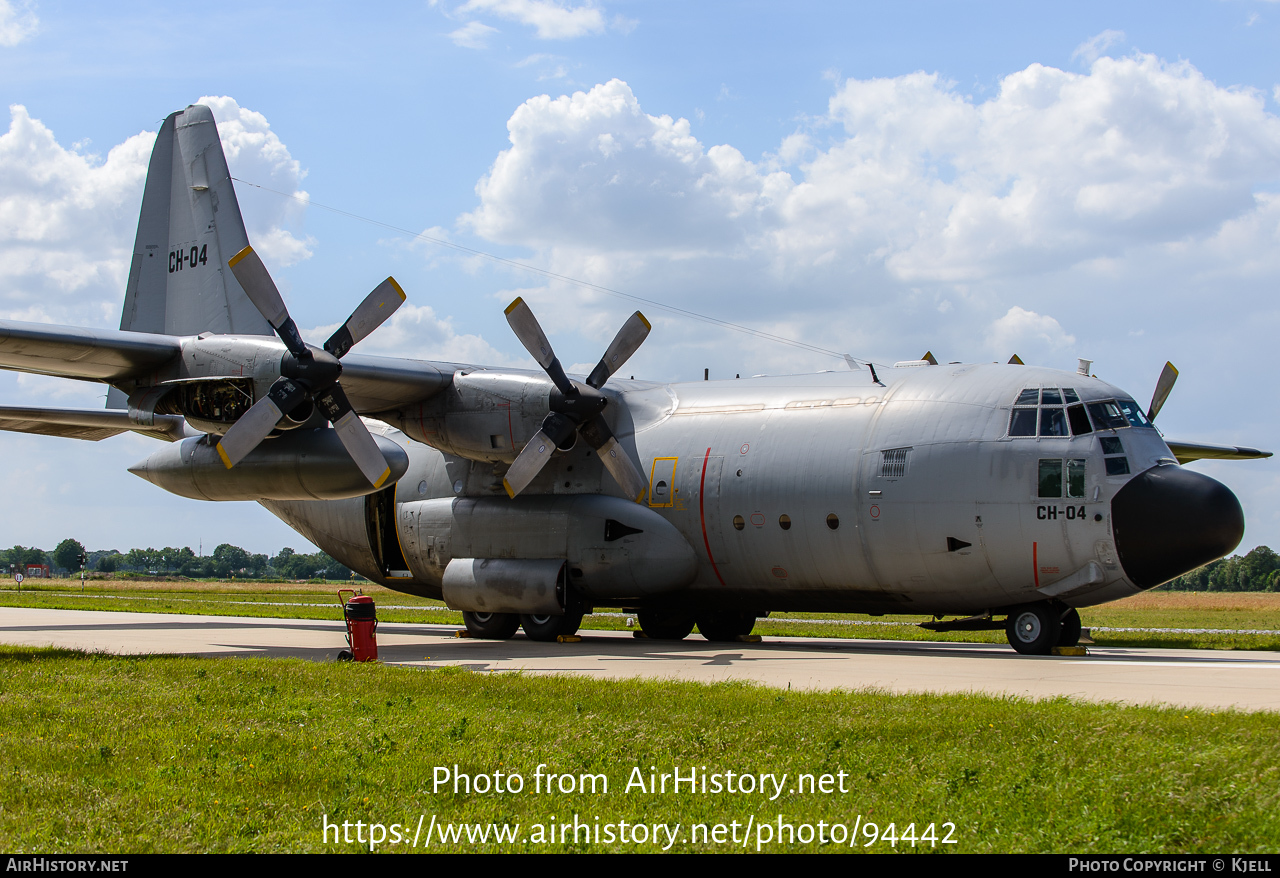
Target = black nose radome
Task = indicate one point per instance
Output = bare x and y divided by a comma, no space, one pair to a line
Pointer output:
1170,520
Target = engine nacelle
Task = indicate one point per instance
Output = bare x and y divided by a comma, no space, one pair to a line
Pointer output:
616,550
482,415
301,465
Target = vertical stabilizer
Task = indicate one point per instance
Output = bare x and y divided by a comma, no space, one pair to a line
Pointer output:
190,225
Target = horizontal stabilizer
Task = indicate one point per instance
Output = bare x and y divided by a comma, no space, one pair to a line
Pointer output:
90,424
89,354
1189,451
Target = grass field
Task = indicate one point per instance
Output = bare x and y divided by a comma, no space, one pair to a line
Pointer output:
1196,618
113,754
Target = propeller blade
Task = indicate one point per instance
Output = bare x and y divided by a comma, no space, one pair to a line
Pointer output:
624,344
1164,385
355,436
526,328
261,289
258,422
528,464
368,316
556,430
615,459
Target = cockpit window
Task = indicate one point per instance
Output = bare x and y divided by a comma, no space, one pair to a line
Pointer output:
1053,422
1079,420
1132,413
1043,412
1023,422
1107,415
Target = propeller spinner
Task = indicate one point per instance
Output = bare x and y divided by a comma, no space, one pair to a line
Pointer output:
307,374
575,408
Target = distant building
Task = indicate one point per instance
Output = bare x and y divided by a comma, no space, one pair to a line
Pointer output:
37,571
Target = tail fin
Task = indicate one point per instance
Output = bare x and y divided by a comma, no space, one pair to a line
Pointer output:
190,225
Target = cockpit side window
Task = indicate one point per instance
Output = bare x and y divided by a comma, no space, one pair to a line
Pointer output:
1079,420
1107,415
1132,413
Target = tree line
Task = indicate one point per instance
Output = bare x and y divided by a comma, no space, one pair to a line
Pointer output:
1257,571
225,562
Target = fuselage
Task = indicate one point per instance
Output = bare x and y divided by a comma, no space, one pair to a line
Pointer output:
952,489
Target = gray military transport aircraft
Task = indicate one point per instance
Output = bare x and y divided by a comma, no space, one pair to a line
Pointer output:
525,499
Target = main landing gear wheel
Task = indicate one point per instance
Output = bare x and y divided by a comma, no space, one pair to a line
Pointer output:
491,626
665,624
1070,634
548,628
725,627
1034,629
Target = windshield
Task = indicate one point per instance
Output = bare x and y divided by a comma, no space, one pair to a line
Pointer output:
1132,413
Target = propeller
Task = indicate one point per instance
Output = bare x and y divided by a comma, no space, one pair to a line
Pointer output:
575,408
308,375
1164,385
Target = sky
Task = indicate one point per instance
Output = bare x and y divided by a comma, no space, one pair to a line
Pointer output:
1099,180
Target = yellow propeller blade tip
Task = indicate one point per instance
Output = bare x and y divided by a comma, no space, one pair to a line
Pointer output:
241,255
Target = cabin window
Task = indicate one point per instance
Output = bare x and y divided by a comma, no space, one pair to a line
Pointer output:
739,522
833,521
784,521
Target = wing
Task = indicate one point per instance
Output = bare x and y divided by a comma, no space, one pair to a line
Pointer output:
1186,452
378,384
90,424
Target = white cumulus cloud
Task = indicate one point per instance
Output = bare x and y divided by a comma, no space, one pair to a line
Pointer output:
1022,331
68,218
1063,193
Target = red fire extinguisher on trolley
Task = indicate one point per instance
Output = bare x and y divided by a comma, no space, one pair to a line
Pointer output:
361,617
